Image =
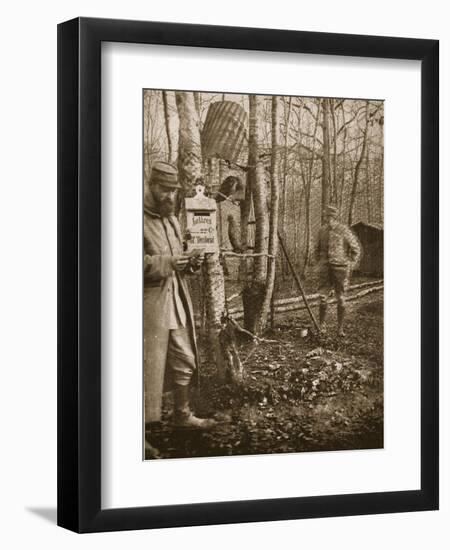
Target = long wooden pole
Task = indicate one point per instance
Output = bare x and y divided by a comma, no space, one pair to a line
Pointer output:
298,282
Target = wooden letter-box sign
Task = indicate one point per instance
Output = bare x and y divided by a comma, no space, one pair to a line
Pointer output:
201,222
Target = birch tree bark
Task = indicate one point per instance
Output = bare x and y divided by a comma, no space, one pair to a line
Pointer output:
343,156
171,123
245,207
326,172
333,179
253,294
190,170
259,193
358,166
284,266
198,101
189,145
273,221
308,192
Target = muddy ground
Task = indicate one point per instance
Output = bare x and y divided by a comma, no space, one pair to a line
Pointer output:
299,394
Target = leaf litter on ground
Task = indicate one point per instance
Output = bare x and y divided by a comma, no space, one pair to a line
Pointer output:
296,397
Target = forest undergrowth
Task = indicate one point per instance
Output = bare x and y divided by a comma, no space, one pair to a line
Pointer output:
299,394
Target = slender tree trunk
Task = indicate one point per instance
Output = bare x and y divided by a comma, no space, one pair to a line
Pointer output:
273,222
333,120
298,245
358,167
297,201
253,294
214,291
259,194
298,189
303,237
326,183
147,137
190,169
284,265
381,187
245,207
308,192
344,156
367,179
189,145
308,229
170,117
198,102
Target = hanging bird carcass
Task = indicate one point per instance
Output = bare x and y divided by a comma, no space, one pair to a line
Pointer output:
232,188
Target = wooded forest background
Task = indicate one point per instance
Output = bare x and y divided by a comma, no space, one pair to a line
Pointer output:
272,163
331,150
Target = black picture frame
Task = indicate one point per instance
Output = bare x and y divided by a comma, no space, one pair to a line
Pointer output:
79,274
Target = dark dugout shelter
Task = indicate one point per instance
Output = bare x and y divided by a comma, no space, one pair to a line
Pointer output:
371,236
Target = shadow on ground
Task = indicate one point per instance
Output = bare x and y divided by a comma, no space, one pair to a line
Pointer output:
48,514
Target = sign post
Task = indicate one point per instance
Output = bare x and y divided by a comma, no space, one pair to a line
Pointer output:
201,222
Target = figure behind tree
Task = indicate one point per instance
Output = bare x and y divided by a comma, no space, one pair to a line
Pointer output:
338,254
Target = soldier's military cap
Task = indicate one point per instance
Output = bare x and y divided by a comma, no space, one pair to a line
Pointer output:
164,174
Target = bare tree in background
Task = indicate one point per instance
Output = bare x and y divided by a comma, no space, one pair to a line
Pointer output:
359,164
326,161
171,123
253,294
287,114
343,130
308,184
273,222
153,132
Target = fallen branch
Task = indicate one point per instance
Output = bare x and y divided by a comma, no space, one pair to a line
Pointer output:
246,255
250,353
294,304
242,330
233,296
315,296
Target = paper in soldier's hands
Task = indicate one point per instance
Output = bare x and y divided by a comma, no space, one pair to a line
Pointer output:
196,252
192,259
180,262
195,258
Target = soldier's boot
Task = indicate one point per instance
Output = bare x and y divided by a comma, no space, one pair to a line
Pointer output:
341,318
183,417
323,308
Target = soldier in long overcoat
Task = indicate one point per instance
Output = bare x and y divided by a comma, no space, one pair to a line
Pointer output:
170,351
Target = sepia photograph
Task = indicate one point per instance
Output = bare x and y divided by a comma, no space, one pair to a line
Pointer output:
263,265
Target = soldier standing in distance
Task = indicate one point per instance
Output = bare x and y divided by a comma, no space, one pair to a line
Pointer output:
338,254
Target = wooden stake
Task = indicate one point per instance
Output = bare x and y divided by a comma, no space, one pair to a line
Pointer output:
298,282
